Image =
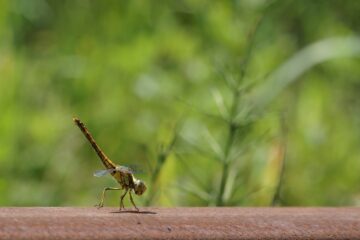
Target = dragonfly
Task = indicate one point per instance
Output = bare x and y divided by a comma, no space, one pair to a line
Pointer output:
122,174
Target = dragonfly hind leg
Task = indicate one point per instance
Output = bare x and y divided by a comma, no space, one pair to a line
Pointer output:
132,201
101,203
122,200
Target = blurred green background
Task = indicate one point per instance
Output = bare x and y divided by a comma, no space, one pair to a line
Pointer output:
217,102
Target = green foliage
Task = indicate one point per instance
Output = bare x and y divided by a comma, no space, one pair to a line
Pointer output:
266,112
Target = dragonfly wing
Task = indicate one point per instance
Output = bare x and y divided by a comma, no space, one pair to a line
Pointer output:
100,173
130,169
135,168
125,169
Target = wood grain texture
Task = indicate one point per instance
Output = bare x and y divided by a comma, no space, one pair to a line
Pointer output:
179,223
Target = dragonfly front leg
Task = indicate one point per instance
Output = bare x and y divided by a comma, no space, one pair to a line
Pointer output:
132,201
101,203
122,200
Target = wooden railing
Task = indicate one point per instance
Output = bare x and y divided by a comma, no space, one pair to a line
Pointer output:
179,223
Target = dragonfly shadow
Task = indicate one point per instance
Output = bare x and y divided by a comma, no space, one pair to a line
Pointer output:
135,212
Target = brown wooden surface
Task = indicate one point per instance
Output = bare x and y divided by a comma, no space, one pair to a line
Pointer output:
180,223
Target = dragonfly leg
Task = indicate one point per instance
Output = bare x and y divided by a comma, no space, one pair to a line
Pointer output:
122,200
101,203
132,201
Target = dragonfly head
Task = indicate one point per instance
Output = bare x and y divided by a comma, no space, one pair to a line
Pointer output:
140,187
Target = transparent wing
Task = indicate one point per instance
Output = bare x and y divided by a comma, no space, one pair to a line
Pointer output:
125,169
133,169
100,173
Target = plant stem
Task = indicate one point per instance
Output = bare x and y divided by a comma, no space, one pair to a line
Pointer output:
229,142
232,127
276,200
161,159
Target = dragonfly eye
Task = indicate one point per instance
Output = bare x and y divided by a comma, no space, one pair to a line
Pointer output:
140,187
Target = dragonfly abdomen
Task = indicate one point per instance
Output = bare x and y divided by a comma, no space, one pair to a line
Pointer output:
104,159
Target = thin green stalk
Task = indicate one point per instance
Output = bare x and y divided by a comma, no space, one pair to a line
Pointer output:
160,161
229,142
276,200
232,127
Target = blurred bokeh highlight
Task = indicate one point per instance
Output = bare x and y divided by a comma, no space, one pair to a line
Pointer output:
251,103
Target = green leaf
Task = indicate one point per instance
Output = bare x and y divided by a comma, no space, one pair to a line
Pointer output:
302,61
